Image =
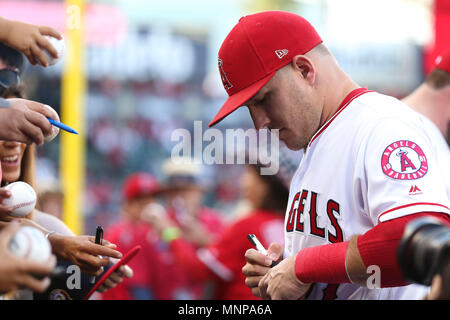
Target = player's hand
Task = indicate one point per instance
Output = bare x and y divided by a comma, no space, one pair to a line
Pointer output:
281,282
257,265
116,277
84,252
15,272
29,39
26,121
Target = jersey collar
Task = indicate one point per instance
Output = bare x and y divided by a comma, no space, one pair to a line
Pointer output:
347,100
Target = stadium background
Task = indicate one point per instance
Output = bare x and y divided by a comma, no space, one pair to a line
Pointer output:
150,67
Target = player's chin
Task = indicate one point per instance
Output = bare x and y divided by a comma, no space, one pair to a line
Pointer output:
281,134
292,144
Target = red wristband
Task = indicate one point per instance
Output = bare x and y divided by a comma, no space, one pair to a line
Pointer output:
324,264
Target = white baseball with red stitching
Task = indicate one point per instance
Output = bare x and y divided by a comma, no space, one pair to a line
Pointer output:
30,243
55,130
59,45
22,200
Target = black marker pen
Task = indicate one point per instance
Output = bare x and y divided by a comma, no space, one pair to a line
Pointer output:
98,240
254,240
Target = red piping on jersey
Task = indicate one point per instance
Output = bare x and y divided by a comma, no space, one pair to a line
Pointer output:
348,99
413,204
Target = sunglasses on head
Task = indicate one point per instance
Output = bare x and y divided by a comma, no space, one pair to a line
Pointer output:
8,77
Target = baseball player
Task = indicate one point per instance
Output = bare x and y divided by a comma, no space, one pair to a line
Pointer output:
368,166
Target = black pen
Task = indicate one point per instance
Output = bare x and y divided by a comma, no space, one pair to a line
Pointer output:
254,240
98,240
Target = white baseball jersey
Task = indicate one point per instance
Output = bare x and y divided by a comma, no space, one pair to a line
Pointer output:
371,162
441,149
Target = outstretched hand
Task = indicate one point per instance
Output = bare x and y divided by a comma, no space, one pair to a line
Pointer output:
16,272
29,39
26,121
84,252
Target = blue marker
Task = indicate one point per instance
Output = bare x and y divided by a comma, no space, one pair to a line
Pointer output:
62,126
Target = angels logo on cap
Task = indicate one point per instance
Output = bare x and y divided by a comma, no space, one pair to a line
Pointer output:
255,49
226,83
404,160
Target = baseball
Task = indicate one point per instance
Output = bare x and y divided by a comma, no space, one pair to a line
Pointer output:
52,134
55,130
30,243
22,200
59,45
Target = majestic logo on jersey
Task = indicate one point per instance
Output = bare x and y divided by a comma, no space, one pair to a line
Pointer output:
414,190
226,83
404,160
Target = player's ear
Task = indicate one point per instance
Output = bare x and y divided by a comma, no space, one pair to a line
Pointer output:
305,68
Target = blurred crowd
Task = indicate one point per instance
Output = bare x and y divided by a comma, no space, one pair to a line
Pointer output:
131,132
196,251
188,250
27,269
189,220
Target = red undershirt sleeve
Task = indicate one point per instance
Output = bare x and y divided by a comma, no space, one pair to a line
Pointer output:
378,246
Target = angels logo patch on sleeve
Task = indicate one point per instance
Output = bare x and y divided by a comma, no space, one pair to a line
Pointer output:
404,160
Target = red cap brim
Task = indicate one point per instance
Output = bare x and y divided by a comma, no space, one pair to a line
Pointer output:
238,99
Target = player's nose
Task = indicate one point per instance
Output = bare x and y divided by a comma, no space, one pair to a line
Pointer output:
259,117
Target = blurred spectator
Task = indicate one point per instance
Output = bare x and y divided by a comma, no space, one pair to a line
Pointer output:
222,260
50,198
432,100
155,275
184,191
432,97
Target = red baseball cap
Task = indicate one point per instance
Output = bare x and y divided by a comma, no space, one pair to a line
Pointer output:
140,184
255,49
443,61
